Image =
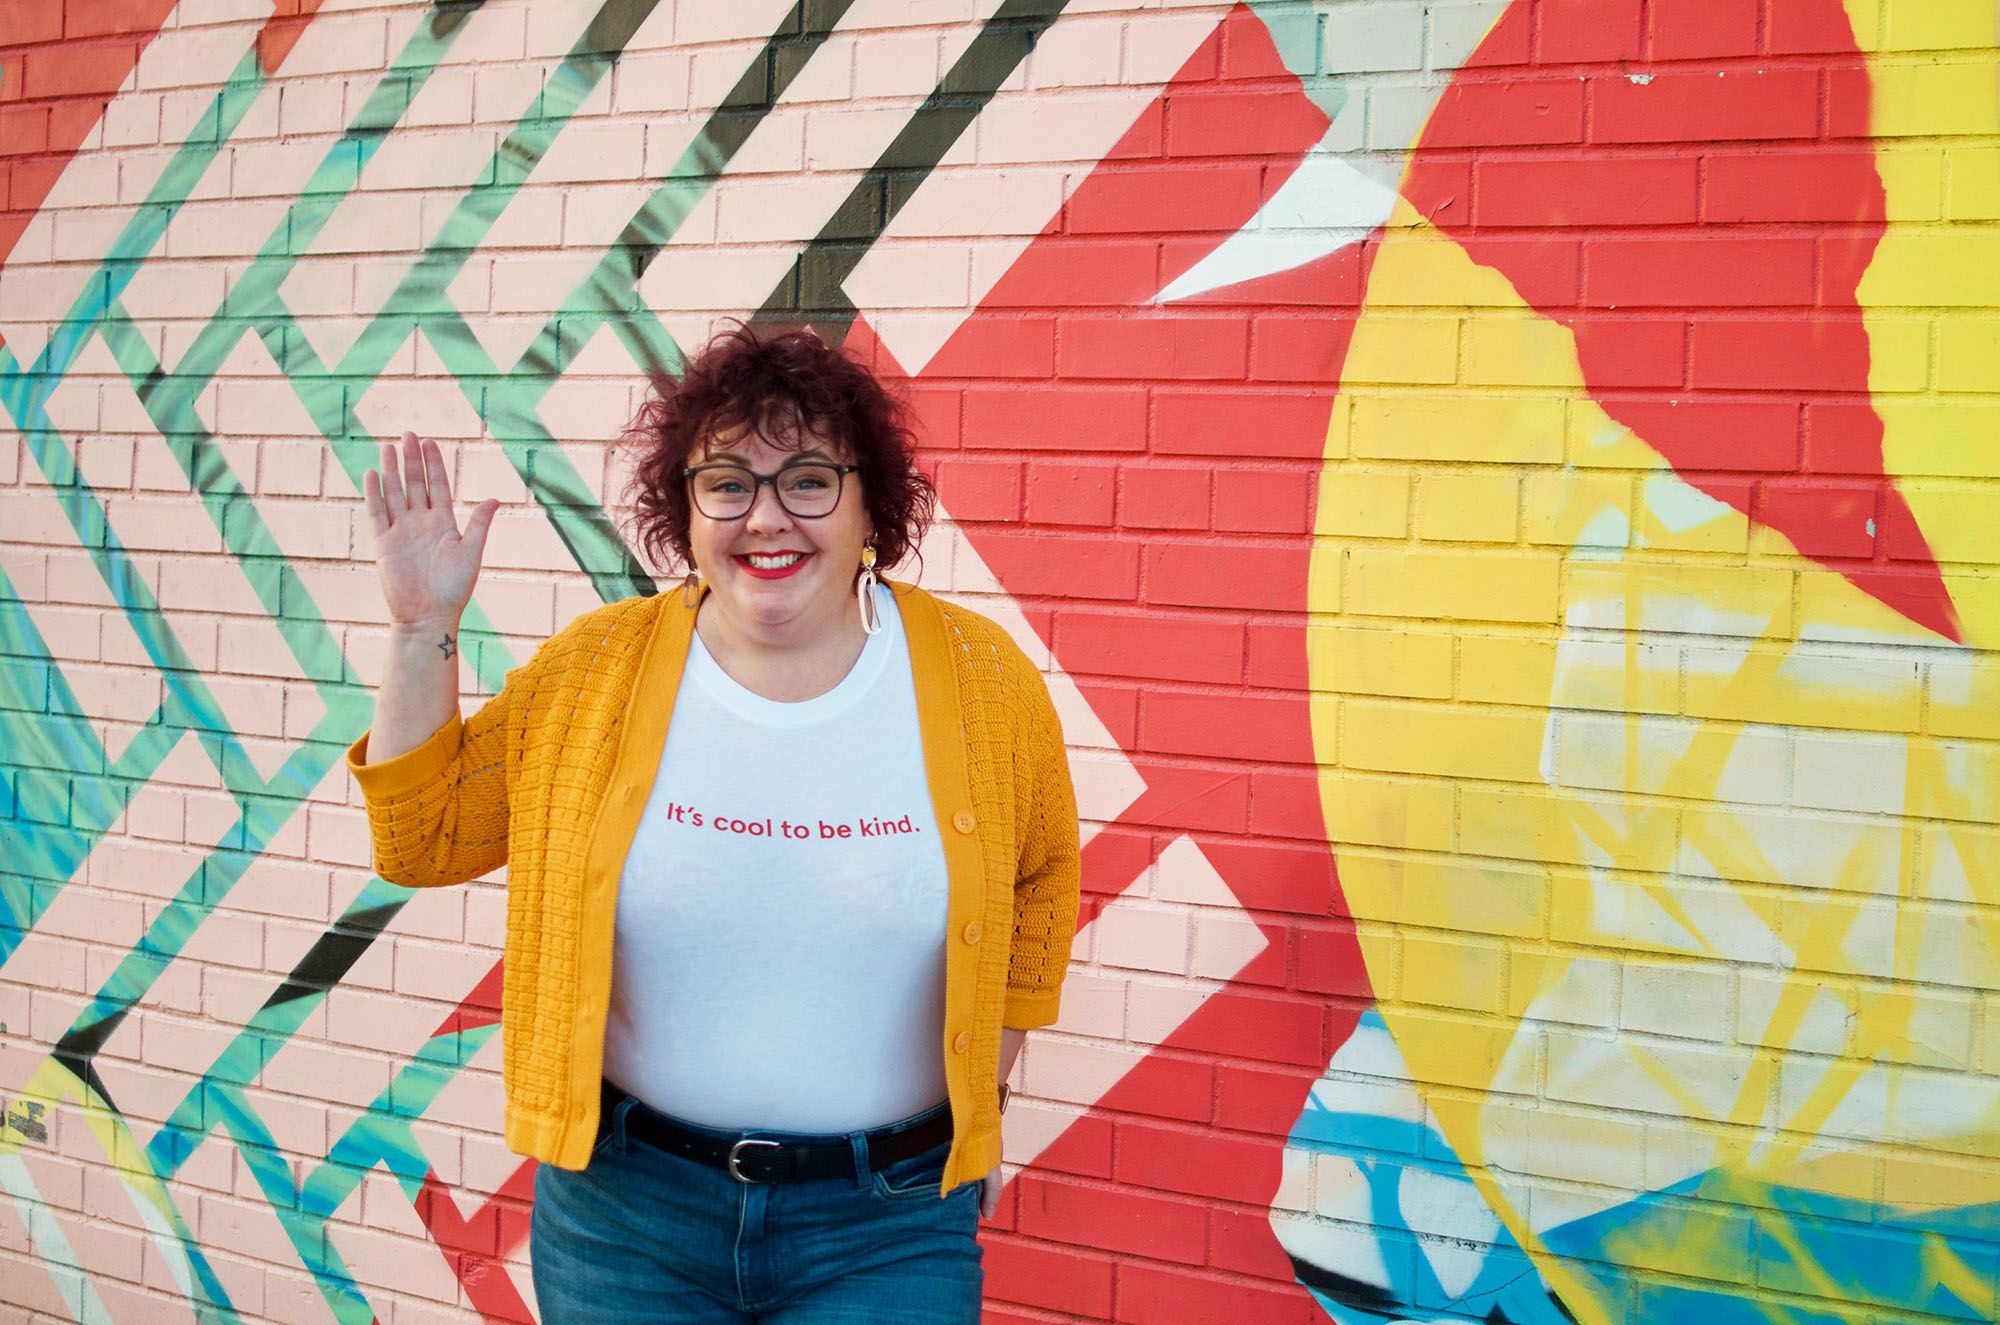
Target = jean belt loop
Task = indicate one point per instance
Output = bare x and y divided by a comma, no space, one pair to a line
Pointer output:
619,1113
864,1171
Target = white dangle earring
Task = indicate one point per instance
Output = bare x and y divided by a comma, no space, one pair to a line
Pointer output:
864,590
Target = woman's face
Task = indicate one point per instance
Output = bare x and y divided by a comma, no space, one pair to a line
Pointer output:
774,575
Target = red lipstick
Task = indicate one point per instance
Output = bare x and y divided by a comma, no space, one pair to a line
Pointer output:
776,572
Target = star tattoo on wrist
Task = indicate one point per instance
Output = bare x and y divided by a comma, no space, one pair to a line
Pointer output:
447,646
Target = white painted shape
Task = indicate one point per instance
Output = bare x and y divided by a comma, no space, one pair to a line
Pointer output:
1712,921
1200,878
1081,725
49,1243
1355,1252
1295,1179
1602,535
1551,1206
934,214
1953,679
1668,613
33,295
1325,206
1896,1105
1342,1190
1457,1264
1368,1052
1678,504
172,1250
1607,435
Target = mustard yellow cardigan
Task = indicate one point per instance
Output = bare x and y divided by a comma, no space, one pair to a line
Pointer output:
549,778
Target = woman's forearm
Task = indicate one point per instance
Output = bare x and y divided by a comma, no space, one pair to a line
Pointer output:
1010,1049
419,691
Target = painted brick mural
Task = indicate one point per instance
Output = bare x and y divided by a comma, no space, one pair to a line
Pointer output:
1499,489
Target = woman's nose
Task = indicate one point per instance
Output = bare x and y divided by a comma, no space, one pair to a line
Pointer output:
766,511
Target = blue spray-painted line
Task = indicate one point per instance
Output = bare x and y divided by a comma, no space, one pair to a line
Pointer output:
383,1134
308,1233
49,741
1805,1243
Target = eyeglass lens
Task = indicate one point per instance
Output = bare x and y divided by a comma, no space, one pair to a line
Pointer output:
726,492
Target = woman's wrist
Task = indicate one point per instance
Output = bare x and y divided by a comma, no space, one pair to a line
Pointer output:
427,627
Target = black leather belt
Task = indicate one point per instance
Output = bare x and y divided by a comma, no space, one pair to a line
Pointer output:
755,1159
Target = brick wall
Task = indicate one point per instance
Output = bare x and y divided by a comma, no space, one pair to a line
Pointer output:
1496,486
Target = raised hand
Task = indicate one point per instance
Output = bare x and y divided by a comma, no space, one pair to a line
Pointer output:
427,566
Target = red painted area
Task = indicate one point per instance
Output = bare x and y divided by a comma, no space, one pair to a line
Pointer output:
479,1008
1717,334
282,31
61,62
1146,495
476,1245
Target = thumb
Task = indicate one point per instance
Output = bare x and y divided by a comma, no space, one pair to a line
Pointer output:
477,526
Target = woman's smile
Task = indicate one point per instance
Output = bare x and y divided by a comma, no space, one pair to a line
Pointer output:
772,565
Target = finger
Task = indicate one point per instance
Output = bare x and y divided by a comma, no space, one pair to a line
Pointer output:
371,500
393,496
413,473
435,479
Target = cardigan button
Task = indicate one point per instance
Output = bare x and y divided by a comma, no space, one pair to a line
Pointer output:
964,822
972,932
961,1042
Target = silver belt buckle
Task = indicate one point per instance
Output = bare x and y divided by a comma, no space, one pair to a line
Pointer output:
738,1173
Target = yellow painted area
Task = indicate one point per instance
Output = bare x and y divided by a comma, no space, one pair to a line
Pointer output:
1919,97
1974,194
1386,662
1472,506
63,1092
1427,351
1402,425
1645,691
1946,268
1360,504
1968,349
1546,494
1476,584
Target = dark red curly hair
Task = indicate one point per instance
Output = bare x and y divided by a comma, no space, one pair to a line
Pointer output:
792,389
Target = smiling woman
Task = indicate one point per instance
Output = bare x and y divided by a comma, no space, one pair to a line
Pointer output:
787,1028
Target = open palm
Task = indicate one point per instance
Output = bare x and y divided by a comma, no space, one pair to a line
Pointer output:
428,567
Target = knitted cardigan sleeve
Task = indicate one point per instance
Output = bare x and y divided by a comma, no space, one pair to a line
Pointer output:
438,813
1048,867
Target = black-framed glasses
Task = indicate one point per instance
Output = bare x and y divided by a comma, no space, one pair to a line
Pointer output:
807,489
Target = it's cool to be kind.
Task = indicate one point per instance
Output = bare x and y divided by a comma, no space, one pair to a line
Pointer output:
866,826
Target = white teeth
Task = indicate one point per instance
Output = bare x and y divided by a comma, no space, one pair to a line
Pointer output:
775,561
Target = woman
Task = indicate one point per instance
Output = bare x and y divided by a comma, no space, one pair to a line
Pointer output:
792,863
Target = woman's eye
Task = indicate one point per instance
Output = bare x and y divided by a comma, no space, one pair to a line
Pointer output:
807,483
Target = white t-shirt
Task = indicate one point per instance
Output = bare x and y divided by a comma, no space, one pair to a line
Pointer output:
779,952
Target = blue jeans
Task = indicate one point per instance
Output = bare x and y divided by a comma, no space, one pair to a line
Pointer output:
644,1236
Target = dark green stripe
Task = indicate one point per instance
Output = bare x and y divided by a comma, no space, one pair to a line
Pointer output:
812,289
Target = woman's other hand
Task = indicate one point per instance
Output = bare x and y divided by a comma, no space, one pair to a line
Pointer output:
427,566
989,1193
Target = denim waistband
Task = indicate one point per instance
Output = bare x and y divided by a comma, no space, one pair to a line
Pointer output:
613,1093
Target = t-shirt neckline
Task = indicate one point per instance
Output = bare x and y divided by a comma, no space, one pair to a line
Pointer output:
726,690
